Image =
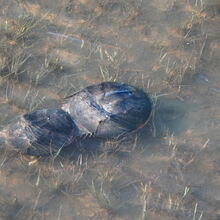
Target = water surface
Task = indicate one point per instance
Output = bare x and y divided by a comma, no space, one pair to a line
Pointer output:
168,170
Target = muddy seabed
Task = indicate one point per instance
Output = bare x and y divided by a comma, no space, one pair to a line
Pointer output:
169,170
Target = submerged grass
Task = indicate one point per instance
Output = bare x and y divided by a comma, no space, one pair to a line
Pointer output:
168,170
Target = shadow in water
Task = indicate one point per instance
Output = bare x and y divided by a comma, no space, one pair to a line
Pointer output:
170,116
86,146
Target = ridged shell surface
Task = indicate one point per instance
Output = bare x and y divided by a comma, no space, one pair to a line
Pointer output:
41,132
109,109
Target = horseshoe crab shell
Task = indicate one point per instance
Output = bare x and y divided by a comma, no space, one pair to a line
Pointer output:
41,132
109,109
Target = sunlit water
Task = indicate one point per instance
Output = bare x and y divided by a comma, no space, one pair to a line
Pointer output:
168,170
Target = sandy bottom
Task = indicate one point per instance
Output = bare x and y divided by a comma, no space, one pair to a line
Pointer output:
170,169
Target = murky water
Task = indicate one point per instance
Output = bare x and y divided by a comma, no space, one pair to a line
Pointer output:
170,49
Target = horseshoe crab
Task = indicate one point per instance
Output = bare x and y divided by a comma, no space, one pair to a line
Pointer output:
106,110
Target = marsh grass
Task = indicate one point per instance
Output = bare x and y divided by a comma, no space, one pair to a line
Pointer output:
12,209
169,169
16,39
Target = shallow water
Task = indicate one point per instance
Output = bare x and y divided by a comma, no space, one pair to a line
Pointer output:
170,49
